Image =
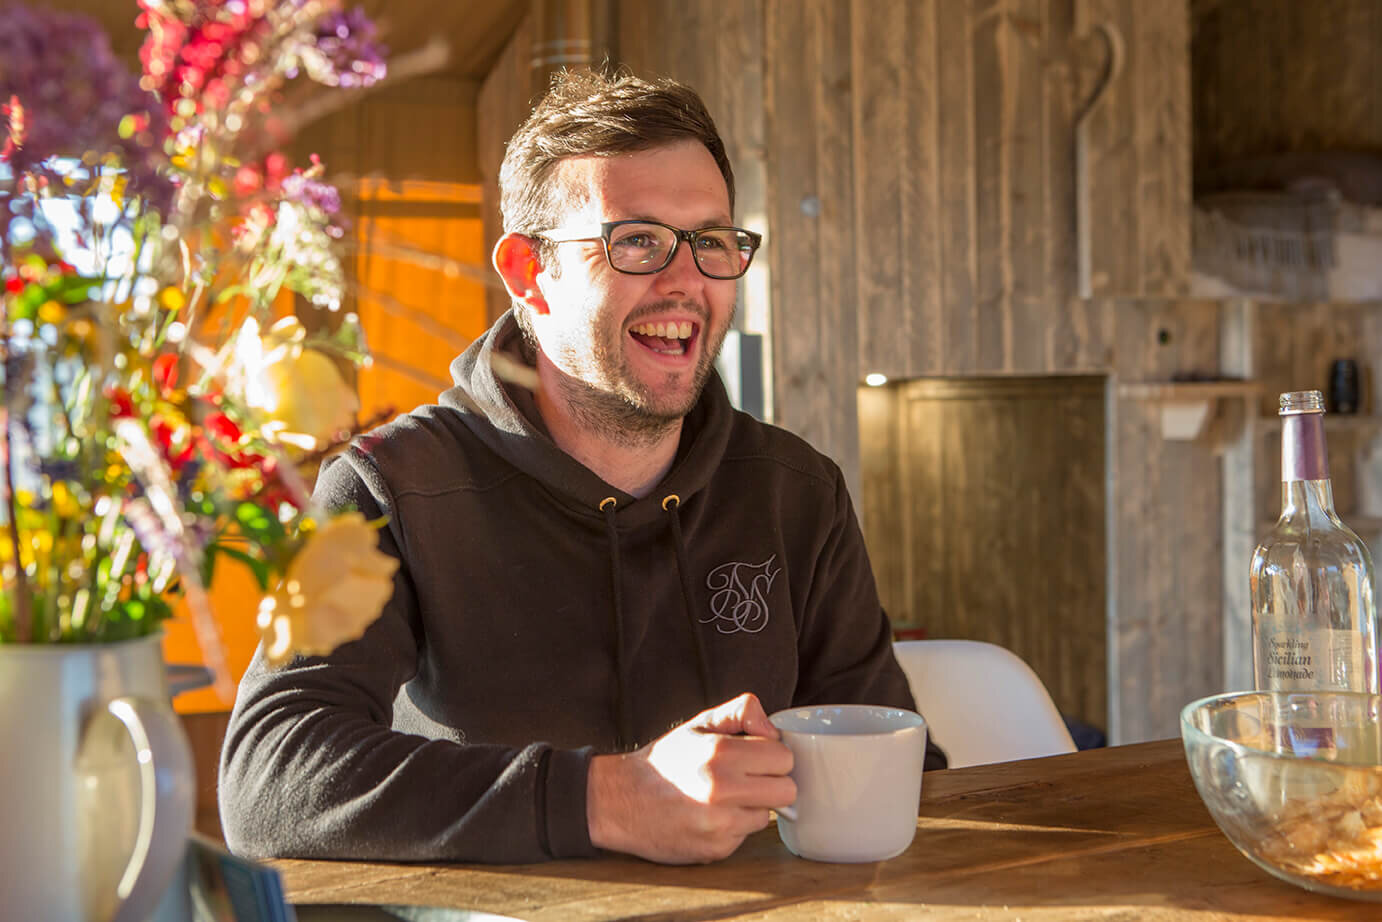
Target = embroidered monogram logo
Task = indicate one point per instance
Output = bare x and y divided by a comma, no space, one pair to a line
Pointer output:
739,600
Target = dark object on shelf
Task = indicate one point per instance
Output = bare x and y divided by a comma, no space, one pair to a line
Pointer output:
1343,387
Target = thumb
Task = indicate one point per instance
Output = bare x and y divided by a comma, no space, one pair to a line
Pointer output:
743,714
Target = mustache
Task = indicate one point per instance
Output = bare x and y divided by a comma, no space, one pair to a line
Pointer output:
661,307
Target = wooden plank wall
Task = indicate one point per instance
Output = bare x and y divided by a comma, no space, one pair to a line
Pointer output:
1279,75
986,519
504,101
1167,648
1140,158
919,165
1319,334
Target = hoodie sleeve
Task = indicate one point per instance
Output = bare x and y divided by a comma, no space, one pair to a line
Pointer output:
846,643
311,768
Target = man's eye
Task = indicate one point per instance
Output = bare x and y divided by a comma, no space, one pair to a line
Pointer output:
637,241
708,242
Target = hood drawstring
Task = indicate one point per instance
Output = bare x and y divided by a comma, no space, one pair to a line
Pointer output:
607,506
670,503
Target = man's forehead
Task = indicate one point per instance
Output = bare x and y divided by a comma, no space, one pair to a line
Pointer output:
642,183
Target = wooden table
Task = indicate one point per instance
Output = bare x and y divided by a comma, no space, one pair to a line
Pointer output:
1111,834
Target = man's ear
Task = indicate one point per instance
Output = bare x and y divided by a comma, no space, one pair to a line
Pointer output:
515,259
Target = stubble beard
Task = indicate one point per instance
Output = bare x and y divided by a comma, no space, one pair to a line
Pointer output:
627,413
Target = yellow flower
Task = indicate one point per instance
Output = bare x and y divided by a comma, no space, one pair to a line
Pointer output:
299,389
172,299
51,312
334,589
64,503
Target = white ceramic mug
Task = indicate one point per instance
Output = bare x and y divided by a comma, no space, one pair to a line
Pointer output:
858,774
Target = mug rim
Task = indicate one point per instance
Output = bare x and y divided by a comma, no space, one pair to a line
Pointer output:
912,719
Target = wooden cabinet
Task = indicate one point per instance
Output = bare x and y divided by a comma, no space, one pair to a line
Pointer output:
983,508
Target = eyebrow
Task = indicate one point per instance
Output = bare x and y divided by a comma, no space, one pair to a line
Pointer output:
712,222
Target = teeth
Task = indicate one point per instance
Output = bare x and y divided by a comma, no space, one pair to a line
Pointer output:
665,330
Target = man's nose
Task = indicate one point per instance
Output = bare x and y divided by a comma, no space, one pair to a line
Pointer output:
682,273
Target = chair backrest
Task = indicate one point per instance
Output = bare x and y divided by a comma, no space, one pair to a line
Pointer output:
981,702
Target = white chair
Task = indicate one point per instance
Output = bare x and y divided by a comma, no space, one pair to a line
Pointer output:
981,702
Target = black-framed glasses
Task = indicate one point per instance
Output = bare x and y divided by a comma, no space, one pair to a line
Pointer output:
645,247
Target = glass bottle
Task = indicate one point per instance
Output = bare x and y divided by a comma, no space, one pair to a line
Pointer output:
1314,623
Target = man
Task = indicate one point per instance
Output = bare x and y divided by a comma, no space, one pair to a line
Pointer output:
608,580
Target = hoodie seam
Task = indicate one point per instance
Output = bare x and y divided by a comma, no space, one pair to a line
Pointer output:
826,481
459,487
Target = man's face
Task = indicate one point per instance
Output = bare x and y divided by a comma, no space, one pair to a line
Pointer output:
601,329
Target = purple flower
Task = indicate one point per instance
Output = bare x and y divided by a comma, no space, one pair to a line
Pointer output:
76,98
347,41
312,193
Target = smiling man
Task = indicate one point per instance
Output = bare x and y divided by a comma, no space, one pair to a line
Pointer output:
609,577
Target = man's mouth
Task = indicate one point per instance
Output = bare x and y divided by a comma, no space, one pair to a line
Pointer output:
665,338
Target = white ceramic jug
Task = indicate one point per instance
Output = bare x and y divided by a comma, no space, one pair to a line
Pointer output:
96,781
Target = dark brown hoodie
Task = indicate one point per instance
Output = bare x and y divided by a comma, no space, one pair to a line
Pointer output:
529,629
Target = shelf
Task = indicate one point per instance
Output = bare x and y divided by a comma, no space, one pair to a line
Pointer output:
1188,391
1185,405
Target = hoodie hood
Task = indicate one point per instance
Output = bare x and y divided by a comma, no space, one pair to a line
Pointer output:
504,416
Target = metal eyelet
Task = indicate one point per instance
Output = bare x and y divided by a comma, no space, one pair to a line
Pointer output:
608,501
671,499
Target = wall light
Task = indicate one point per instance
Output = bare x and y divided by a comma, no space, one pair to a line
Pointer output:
875,379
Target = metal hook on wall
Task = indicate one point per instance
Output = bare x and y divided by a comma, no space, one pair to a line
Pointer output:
1114,40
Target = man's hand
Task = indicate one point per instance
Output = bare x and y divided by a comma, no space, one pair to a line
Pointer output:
694,794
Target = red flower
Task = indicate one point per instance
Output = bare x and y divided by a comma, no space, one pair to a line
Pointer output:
164,434
223,427
247,181
121,405
14,285
166,371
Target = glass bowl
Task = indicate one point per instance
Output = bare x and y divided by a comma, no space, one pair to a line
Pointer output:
1295,782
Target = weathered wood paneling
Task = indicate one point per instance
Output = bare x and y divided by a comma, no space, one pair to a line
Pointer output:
882,502
997,530
1294,348
917,171
505,100
897,186
1167,520
810,210
956,217
1280,75
1139,158
1163,145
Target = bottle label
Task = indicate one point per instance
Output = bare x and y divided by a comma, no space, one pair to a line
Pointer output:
1315,660
1303,453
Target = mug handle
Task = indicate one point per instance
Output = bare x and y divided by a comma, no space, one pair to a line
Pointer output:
165,801
787,813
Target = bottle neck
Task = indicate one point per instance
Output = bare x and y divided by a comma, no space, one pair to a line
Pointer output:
1303,454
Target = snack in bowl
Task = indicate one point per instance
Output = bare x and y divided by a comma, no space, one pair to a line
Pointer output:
1294,780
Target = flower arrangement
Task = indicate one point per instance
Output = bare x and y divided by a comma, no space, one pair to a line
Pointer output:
171,332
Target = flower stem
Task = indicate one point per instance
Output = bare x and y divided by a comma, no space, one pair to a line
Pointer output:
22,613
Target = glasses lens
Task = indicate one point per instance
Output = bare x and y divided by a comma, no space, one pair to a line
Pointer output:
723,252
640,248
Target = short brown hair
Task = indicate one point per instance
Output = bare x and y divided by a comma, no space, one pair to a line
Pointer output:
590,113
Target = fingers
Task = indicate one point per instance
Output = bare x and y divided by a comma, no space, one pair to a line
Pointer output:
743,714
750,755
756,792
